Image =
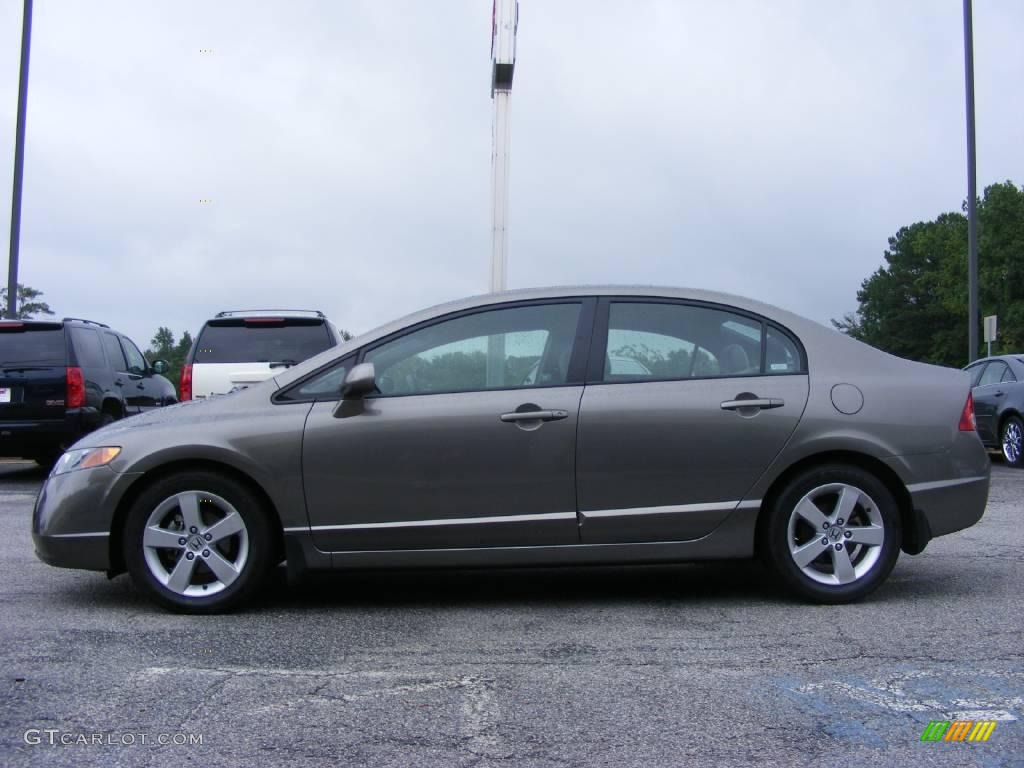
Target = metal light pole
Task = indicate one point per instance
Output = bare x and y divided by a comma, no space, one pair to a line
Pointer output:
19,164
972,191
504,21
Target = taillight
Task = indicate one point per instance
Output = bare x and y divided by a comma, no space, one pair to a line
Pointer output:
967,422
75,396
185,385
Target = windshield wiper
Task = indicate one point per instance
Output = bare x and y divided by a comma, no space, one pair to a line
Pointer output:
285,363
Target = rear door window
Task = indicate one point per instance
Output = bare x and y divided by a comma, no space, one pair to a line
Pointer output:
88,348
993,374
32,344
261,340
654,341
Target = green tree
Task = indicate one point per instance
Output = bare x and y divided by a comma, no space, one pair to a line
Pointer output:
915,305
28,303
163,347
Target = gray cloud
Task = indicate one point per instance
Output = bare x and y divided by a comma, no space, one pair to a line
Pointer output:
765,149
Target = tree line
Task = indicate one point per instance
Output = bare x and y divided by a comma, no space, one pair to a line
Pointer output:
915,305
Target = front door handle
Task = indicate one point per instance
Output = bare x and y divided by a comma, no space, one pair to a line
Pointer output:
763,403
534,416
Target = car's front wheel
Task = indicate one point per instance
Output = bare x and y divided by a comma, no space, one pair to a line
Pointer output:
198,542
833,534
1013,441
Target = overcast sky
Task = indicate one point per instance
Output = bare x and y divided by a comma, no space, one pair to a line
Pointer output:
767,149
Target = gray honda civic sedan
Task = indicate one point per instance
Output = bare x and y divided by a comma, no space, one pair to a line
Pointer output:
554,426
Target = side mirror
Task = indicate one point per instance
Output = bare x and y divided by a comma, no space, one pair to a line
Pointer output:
360,381
160,366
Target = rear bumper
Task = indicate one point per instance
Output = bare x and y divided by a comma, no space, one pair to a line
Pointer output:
27,438
951,505
949,490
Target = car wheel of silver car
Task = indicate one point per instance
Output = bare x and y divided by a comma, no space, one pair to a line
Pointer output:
833,534
1013,441
198,542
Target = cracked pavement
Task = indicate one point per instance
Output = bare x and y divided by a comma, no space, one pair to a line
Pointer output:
647,666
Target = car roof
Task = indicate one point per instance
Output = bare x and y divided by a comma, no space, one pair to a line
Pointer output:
76,321
1016,362
243,313
845,353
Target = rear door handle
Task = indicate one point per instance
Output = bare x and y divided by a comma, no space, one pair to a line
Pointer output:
534,416
763,403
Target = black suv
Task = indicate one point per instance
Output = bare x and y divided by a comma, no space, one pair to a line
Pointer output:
62,379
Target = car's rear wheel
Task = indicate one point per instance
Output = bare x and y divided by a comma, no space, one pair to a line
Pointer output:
198,542
833,534
1012,440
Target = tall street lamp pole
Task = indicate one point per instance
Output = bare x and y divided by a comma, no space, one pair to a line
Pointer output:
972,190
19,164
504,21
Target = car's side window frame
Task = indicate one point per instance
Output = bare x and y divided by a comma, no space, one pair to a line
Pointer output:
575,375
599,339
284,396
127,344
577,359
976,370
1001,373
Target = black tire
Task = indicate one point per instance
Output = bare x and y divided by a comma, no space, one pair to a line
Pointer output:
107,419
775,543
258,530
1009,425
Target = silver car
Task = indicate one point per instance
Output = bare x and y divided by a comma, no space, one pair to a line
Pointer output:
556,426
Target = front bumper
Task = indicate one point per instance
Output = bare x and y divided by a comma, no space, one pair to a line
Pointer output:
72,518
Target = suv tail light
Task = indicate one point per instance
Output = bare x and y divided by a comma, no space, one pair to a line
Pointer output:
75,396
185,385
967,422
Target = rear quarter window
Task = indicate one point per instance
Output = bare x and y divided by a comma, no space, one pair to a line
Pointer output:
235,341
88,348
33,345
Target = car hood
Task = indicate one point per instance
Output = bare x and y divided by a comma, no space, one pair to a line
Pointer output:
205,411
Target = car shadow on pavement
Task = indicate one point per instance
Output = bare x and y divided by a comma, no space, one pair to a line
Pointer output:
694,582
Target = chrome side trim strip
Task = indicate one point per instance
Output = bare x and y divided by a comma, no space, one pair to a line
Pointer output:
751,504
676,508
944,483
446,521
77,535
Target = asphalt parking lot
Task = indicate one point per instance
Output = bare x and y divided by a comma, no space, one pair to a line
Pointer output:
646,666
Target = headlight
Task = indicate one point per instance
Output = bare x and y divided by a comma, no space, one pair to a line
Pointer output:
85,458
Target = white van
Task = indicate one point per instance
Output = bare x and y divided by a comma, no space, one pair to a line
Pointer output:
243,347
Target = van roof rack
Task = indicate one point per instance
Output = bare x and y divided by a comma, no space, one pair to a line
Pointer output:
83,320
236,312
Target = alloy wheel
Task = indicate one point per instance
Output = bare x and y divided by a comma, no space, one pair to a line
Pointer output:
1013,441
835,534
195,543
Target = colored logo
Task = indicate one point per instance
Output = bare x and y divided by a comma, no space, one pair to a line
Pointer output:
958,730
